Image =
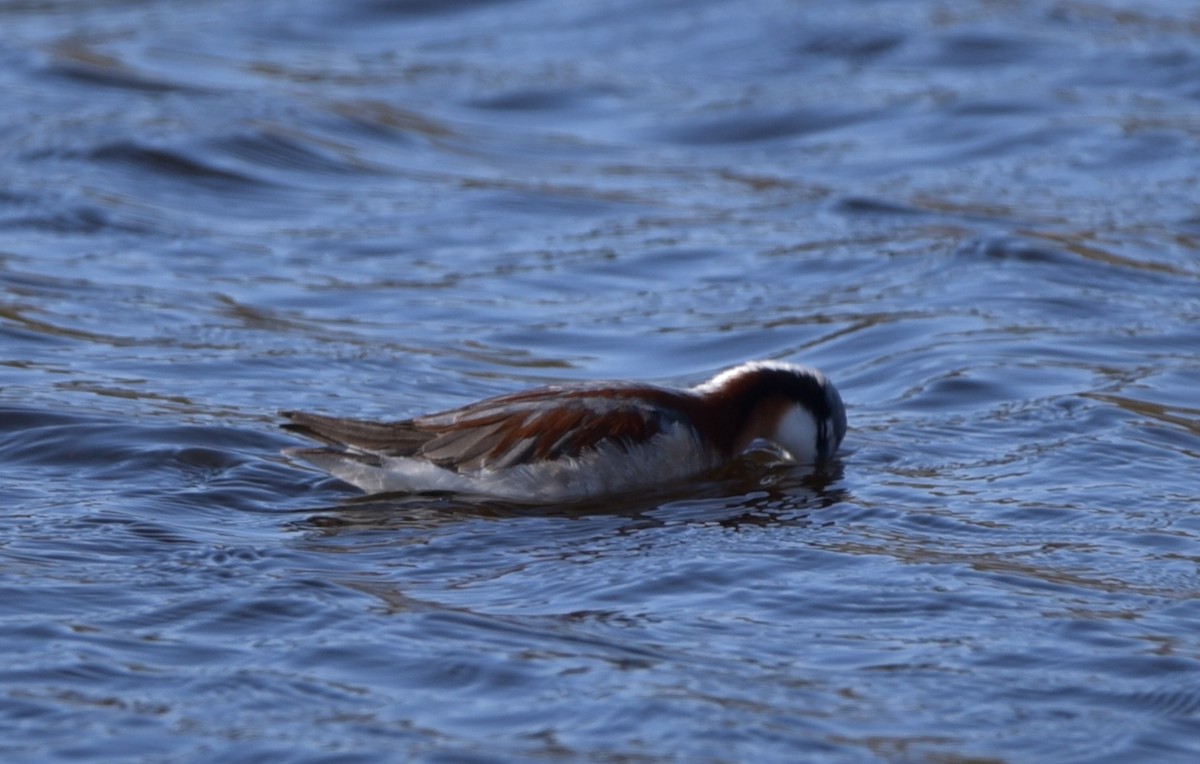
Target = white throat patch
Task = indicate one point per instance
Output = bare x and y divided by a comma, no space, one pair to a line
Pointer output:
797,434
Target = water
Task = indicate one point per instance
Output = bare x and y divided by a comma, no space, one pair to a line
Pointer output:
979,218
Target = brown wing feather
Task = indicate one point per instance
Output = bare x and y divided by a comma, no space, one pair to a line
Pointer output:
547,423
396,438
529,426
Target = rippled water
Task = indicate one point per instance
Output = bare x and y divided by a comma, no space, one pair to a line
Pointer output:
982,219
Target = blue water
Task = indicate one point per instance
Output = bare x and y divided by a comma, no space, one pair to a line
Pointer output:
981,219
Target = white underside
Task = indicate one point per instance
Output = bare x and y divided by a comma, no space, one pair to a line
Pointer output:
669,456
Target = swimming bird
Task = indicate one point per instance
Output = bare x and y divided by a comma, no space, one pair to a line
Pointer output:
582,440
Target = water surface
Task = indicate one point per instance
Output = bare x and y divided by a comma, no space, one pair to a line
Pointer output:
980,219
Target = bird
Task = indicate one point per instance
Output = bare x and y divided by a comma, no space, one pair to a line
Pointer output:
583,440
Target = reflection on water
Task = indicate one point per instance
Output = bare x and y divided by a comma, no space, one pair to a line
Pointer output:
979,219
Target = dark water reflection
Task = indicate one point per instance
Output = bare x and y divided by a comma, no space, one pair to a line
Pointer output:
979,218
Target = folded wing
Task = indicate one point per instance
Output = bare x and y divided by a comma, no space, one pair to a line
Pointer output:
523,428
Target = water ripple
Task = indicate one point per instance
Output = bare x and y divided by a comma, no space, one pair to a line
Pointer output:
979,219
